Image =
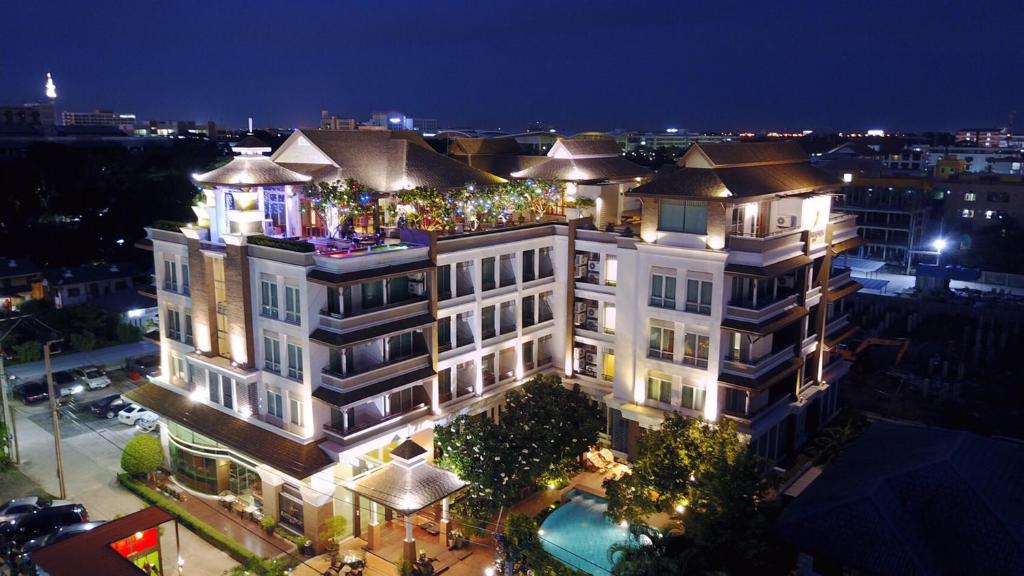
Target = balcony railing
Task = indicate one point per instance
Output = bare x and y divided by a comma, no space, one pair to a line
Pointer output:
763,242
744,310
757,366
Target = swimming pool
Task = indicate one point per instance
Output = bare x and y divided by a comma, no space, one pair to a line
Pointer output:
579,534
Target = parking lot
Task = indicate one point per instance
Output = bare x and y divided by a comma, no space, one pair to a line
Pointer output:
76,417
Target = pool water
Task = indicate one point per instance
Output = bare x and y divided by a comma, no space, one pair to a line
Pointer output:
579,534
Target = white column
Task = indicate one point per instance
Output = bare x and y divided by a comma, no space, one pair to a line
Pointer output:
444,509
408,528
373,513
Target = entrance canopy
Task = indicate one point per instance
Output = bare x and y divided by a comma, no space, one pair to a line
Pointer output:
408,483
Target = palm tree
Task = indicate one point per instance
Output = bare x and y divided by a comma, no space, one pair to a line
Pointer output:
649,552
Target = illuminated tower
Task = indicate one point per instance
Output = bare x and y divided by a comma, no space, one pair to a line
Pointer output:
51,88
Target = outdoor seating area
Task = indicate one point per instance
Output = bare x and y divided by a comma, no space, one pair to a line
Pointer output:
243,508
602,460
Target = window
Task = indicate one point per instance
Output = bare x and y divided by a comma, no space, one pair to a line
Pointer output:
271,353
401,402
178,368
528,355
444,333
294,361
735,401
464,278
373,295
188,329
173,330
663,291
464,329
546,265
528,311
693,398
227,389
544,310
292,308
275,404
268,299
487,323
444,385
544,351
220,295
444,282
695,350
507,317
186,282
295,410
487,370
683,216
970,197
659,388
74,292
611,270
661,343
273,209
698,296
507,272
967,213
487,274
213,386
400,346
609,318
529,267
608,367
170,276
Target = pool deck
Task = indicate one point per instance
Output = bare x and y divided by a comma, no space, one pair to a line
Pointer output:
591,482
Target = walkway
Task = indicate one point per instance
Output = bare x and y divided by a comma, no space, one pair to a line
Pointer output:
112,356
248,533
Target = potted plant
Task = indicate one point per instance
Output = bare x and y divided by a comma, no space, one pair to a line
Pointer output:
269,523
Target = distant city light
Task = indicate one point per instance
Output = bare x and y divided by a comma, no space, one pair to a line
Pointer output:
875,132
672,130
136,312
395,120
939,244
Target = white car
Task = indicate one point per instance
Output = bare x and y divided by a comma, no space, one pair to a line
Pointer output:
131,414
93,377
148,422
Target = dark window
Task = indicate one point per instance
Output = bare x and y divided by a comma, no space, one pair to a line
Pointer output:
528,266
444,333
444,282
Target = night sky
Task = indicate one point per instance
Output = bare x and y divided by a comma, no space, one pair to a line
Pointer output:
851,65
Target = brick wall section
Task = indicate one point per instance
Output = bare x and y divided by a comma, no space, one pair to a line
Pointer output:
239,293
204,308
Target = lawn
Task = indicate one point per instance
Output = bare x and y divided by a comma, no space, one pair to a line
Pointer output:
14,484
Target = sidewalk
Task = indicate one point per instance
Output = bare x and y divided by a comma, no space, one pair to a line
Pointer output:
112,357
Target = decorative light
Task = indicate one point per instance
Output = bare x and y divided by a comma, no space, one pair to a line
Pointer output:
51,88
939,244
624,524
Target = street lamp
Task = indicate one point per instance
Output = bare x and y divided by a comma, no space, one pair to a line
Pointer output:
939,244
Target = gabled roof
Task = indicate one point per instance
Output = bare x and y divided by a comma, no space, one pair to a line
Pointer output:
584,160
472,146
585,147
737,170
384,160
88,273
252,143
724,154
916,500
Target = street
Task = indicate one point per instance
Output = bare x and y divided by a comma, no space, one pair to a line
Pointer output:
92,456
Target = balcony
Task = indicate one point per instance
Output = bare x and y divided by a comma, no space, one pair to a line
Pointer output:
763,243
744,308
758,366
844,226
838,277
369,422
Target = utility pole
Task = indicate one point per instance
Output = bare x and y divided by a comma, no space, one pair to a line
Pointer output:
8,414
54,415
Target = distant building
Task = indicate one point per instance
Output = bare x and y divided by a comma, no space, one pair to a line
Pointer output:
20,280
978,201
177,128
540,126
395,120
71,286
984,137
36,118
976,159
123,122
329,122
670,138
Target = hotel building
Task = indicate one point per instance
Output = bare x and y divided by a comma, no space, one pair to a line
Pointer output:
295,365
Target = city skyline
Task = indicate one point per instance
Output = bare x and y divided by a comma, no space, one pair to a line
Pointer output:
596,66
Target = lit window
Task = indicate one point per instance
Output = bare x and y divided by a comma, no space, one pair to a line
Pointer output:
967,213
294,361
847,177
661,343
275,404
969,196
291,301
989,214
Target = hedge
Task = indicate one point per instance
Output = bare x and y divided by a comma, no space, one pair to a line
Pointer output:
204,530
170,225
282,244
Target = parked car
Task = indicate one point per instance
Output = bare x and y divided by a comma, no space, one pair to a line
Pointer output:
93,377
17,507
148,422
24,560
143,367
14,534
65,383
108,406
32,392
131,413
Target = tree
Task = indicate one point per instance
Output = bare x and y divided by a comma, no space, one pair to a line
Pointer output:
543,430
83,341
30,351
650,552
332,530
334,202
142,455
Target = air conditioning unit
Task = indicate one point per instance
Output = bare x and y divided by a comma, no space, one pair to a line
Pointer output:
417,288
785,221
592,265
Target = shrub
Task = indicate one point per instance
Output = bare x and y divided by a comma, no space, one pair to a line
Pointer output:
142,455
30,351
282,244
170,225
268,522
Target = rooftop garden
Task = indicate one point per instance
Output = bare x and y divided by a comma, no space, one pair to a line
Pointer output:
430,209
282,244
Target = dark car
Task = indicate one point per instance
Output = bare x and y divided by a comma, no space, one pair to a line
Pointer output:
32,392
14,534
108,406
18,507
66,384
24,560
